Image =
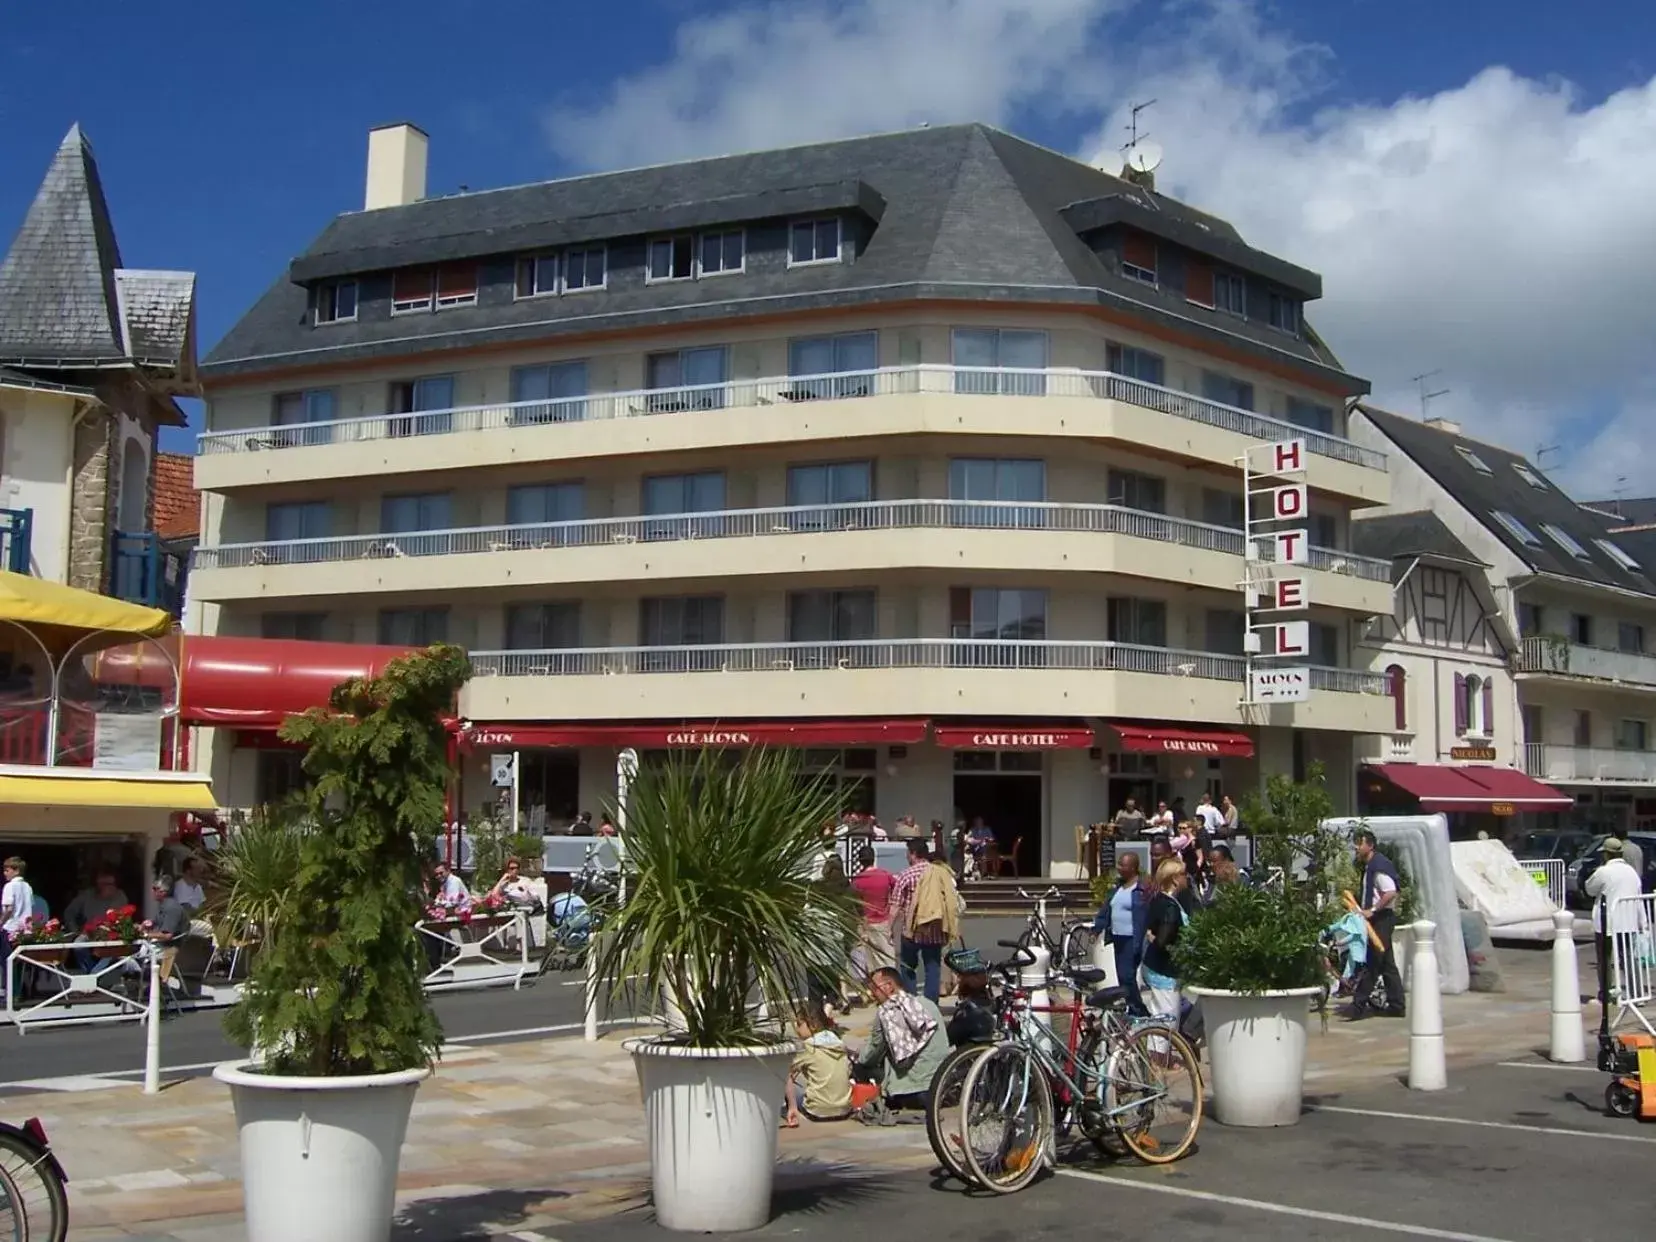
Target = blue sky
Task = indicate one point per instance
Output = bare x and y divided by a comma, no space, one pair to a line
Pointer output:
229,134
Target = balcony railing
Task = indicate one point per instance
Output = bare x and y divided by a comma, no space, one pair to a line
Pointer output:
752,523
1589,763
143,571
899,653
16,535
1550,655
783,392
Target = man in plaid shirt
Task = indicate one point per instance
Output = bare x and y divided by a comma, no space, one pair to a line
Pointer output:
925,945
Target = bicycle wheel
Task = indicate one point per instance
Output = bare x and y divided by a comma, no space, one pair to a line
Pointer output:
42,1197
943,1109
1078,942
14,1221
1092,1076
1156,1084
1007,1119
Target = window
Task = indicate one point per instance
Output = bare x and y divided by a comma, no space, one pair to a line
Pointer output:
537,275
999,360
1142,622
543,627
1615,553
1311,416
830,616
723,253
1471,700
829,483
1198,283
1021,481
1472,459
336,301
1565,540
1630,637
456,285
413,627
1529,620
278,775
1138,258
702,371
1227,390
428,404
1522,470
681,621
533,504
1581,629
1325,530
998,615
314,405
1325,645
1283,313
832,366
1632,735
814,241
421,511
309,626
1224,630
553,393
1134,363
671,258
584,268
1132,490
1515,528
1397,686
412,289
308,519
1529,716
1583,734
674,494
1230,294
1222,508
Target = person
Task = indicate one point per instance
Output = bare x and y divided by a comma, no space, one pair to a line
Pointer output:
831,884
973,1019
1129,821
449,888
923,922
819,1081
91,904
189,891
1160,852
1631,854
1231,818
16,910
582,827
606,825
1161,821
172,920
1613,880
1163,923
978,840
1379,907
904,1050
874,950
1122,918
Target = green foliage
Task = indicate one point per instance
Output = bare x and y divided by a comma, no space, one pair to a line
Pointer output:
1288,833
1102,886
255,872
1251,940
720,904
491,841
337,991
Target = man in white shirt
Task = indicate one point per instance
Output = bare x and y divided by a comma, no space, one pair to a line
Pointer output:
188,892
1631,854
1212,817
451,889
1621,920
16,909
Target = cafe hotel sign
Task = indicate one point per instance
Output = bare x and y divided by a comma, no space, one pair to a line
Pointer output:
1275,505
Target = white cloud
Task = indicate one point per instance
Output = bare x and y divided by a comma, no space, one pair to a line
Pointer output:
1497,231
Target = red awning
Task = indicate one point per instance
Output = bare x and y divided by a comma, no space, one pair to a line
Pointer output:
1020,736
699,733
256,683
1445,787
1158,739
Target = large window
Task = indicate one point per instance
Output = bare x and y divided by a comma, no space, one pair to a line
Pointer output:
419,511
832,366
1142,622
530,504
700,371
1133,490
1020,480
681,621
584,268
309,626
537,275
543,627
1630,637
307,519
1227,390
1135,363
295,409
671,258
998,613
814,241
422,288
1632,735
1284,314
674,494
1311,416
549,394
1000,360
1220,508
722,253
1325,645
1230,294
1224,631
1138,257
413,627
426,406
830,484
830,617
336,301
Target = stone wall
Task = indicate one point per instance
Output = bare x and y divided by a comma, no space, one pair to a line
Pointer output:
90,500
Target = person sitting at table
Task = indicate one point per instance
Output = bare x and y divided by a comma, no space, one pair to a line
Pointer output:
449,889
171,921
89,906
190,891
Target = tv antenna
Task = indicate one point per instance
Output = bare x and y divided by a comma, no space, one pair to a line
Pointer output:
1140,156
1427,394
1541,450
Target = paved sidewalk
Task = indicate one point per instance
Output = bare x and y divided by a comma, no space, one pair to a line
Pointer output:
515,1140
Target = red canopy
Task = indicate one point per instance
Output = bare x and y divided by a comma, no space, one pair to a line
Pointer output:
1021,735
698,733
256,683
1444,787
1159,739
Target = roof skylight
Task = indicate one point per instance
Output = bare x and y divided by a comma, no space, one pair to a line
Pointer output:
1515,528
1565,540
1616,553
1529,476
1472,459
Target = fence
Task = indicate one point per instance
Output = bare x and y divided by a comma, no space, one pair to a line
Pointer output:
77,998
1548,873
476,952
1631,929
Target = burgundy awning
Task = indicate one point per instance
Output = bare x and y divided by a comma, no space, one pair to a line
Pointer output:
1452,787
1165,739
699,733
1020,735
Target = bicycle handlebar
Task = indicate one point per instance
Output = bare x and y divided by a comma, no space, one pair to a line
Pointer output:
1021,957
1051,892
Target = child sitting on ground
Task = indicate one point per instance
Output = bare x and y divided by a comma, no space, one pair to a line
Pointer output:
819,1084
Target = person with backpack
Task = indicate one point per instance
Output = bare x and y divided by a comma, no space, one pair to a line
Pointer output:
1381,890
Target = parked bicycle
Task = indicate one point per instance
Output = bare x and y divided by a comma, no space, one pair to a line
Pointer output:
1076,938
36,1200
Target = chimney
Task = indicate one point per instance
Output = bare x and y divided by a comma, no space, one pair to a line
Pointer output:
396,166
1447,425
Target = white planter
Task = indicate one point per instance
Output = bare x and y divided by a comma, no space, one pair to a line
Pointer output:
319,1155
711,1117
1256,1051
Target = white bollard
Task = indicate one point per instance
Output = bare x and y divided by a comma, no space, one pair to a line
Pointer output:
1034,979
152,1023
1568,1044
1427,1070
591,990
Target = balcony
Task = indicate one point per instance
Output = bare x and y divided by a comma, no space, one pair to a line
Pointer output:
983,535
1553,657
893,400
1589,765
16,534
896,676
142,571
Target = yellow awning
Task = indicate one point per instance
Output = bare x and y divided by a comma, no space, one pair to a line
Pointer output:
153,794
39,604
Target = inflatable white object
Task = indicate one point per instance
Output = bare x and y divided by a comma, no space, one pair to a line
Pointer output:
1491,881
1421,844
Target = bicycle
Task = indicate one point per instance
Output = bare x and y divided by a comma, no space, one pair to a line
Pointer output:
38,1182
14,1220
1076,937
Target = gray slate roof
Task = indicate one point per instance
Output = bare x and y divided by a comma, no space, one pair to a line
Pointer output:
1402,537
960,212
1503,489
1637,511
157,313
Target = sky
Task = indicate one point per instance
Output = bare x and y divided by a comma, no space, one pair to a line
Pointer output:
1475,179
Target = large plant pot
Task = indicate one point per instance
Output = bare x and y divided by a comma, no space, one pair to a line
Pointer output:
711,1117
319,1155
1256,1049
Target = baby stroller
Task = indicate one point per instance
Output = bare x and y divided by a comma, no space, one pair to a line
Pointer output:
1345,953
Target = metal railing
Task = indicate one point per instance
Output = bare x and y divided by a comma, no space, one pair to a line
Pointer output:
142,571
1630,925
16,540
1548,874
1589,763
899,653
786,391
1549,655
751,523
476,951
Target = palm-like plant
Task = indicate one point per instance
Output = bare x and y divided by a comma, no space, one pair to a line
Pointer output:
718,867
254,872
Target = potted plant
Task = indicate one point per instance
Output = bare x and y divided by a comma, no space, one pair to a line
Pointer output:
721,917
254,871
114,933
1252,962
50,941
335,1001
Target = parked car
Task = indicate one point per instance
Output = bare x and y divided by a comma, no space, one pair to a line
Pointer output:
1575,876
1565,844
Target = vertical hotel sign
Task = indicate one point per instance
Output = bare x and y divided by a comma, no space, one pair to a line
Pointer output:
1275,505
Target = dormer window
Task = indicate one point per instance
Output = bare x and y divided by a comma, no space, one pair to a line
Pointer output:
1284,314
336,301
723,253
456,285
537,275
1138,258
415,289
814,241
584,268
1230,294
671,258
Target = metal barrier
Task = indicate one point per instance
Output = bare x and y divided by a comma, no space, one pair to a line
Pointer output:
1630,925
81,997
1548,873
472,960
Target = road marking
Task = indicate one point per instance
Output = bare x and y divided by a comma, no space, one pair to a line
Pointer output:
1561,1131
1281,1209
1554,1065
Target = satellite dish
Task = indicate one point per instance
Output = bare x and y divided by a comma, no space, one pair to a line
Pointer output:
1144,156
